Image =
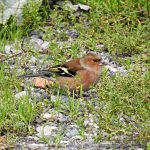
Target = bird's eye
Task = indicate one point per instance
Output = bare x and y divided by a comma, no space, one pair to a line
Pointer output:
97,60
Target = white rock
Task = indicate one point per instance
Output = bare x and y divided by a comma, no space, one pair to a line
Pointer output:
74,7
35,146
84,7
7,49
64,142
32,59
20,94
72,132
77,137
39,41
100,46
47,116
111,68
53,117
34,37
46,130
55,98
45,45
11,7
59,117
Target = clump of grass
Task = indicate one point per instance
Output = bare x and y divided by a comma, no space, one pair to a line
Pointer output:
124,105
15,114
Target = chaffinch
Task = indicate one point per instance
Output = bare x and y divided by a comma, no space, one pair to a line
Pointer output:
76,74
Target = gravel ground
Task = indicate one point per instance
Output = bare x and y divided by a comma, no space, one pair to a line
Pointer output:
51,123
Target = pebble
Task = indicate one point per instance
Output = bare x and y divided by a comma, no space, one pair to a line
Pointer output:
72,132
62,98
47,116
34,37
45,45
39,41
64,142
111,68
77,137
46,131
35,146
84,7
7,49
20,94
33,60
36,34
73,34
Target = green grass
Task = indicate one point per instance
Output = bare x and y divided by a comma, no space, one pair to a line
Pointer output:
123,27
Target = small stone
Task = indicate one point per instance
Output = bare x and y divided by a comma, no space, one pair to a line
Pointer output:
77,137
21,94
74,7
34,37
45,45
84,7
36,34
52,117
73,34
60,117
7,49
46,130
55,98
46,116
100,46
64,142
33,60
111,68
39,120
45,95
111,73
121,69
72,132
39,42
64,98
35,146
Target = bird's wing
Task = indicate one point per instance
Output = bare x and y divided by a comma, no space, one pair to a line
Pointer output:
68,69
62,71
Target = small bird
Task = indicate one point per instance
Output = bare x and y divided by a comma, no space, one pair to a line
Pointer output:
74,75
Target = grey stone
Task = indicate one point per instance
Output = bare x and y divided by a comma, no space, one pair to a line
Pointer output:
62,98
84,7
35,146
45,45
73,34
39,41
33,59
21,94
47,116
46,131
12,7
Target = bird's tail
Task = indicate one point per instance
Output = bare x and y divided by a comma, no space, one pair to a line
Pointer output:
42,73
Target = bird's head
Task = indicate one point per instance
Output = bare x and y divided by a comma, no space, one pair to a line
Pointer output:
92,62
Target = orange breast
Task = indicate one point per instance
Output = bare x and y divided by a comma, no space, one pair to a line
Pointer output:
84,79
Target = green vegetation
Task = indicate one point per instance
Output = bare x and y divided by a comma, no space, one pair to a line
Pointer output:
123,101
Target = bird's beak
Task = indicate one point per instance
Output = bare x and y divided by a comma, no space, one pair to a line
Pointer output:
103,63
